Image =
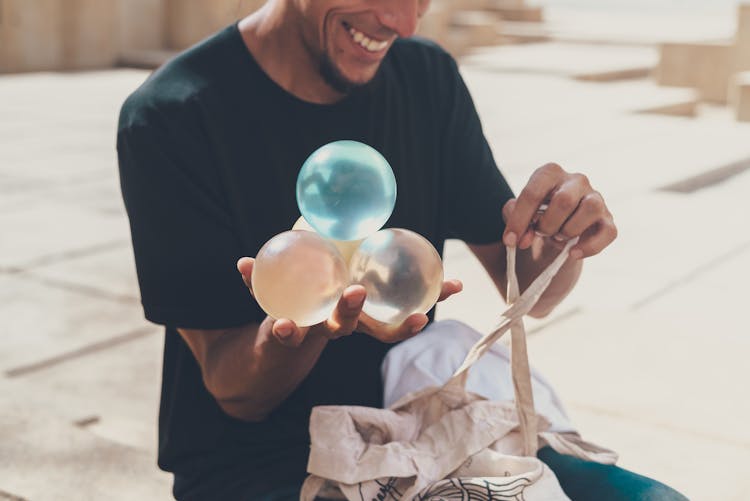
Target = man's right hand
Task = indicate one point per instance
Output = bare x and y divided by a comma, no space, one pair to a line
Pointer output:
347,317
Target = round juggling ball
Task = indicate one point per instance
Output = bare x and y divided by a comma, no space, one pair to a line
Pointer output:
346,190
401,271
345,247
299,275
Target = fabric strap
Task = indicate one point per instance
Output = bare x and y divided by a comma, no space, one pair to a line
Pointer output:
519,360
360,461
512,319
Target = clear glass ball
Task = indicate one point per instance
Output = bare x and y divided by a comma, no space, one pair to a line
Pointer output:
300,276
345,247
401,271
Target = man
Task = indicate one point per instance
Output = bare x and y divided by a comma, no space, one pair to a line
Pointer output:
210,147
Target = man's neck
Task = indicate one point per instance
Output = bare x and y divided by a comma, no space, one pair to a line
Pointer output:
273,35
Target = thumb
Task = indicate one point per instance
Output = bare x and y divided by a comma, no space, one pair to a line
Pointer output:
523,240
508,208
288,333
245,266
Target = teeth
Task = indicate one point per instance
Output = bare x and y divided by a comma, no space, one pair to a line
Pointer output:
367,43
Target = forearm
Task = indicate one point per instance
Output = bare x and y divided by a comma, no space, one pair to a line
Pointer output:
532,261
249,372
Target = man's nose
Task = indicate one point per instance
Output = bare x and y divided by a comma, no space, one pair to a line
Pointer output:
400,16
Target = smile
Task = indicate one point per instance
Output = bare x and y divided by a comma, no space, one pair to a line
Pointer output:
367,43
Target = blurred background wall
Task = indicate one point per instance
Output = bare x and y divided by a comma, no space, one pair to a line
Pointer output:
82,34
43,35
40,35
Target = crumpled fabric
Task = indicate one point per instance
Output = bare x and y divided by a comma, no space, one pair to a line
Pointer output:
444,442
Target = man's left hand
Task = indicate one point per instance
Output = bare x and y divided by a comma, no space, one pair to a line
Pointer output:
573,209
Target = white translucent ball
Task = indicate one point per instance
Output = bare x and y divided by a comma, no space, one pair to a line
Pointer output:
345,247
401,271
300,276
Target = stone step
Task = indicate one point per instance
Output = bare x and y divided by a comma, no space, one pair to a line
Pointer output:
49,454
705,66
478,27
740,96
74,324
53,35
114,390
605,27
145,58
588,62
616,74
514,12
459,26
655,99
742,38
680,109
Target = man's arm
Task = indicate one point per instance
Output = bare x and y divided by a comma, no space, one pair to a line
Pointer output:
574,209
250,370
247,371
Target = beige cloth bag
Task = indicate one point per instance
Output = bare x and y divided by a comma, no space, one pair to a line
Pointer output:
444,443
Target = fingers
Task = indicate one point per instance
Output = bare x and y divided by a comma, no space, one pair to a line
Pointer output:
511,238
508,208
348,317
343,320
283,330
288,333
450,287
561,206
590,211
592,222
411,326
393,333
595,239
245,267
541,184
345,316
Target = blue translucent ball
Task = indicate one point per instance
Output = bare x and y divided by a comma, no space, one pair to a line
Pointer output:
346,190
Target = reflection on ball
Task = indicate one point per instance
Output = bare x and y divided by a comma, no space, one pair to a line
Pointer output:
401,271
346,190
299,275
345,247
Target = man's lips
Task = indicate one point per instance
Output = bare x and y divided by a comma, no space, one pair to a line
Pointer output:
367,42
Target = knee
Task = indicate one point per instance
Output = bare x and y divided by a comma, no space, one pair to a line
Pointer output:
657,491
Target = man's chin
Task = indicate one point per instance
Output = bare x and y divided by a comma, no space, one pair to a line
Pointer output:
338,81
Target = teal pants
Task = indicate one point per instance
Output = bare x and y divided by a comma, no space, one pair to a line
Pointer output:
585,480
581,480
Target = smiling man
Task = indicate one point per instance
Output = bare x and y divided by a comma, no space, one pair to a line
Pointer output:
321,51
210,147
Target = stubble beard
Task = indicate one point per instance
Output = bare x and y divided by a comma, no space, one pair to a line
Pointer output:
335,79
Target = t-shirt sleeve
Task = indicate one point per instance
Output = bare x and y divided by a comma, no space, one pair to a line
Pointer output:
185,245
476,190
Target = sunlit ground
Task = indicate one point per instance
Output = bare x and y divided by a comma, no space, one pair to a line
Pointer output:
649,353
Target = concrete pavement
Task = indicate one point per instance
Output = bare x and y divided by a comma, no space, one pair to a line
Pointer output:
648,352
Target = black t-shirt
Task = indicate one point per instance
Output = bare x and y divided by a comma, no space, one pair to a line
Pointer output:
209,149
